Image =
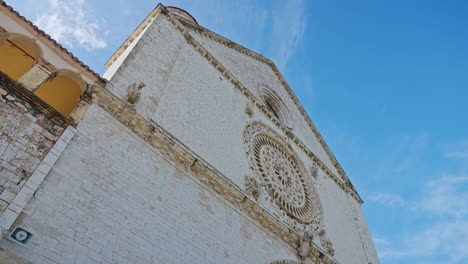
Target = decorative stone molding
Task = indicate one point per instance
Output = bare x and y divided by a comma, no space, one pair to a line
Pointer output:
273,102
282,174
159,8
326,243
39,73
176,153
341,180
182,14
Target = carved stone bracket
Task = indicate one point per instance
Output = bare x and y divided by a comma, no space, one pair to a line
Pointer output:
45,66
326,243
89,94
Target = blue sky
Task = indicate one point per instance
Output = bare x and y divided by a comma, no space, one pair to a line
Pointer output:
386,83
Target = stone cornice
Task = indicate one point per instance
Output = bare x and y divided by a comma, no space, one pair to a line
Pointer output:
174,151
343,182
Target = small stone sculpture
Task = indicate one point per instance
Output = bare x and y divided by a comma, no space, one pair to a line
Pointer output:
252,187
314,170
305,245
134,93
249,109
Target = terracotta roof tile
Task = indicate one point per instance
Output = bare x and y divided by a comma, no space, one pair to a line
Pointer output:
42,33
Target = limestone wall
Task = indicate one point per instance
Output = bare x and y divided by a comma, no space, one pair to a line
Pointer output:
193,102
111,198
27,133
254,74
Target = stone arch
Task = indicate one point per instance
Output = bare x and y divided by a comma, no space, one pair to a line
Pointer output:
19,53
276,106
62,91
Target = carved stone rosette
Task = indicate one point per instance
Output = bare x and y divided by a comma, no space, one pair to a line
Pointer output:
282,174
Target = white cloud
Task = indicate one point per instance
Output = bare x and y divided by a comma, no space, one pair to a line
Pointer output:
446,240
288,28
443,204
70,22
386,199
275,30
445,196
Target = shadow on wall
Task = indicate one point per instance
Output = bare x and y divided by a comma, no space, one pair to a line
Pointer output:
62,89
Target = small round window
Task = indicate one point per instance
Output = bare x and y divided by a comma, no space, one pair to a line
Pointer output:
276,106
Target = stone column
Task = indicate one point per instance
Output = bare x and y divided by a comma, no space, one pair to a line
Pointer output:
39,73
4,34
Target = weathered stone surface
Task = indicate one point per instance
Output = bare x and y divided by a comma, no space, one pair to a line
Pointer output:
26,136
107,179
158,175
8,258
196,97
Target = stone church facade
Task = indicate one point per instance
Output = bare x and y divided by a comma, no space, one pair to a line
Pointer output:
189,149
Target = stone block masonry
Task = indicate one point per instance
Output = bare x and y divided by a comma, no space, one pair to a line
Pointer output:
168,163
111,198
29,128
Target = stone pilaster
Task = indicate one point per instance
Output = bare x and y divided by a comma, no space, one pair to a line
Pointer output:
37,74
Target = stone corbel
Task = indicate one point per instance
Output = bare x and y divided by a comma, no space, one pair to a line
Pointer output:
87,99
38,74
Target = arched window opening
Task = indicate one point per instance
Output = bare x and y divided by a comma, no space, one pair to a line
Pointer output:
270,107
18,54
276,106
62,92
